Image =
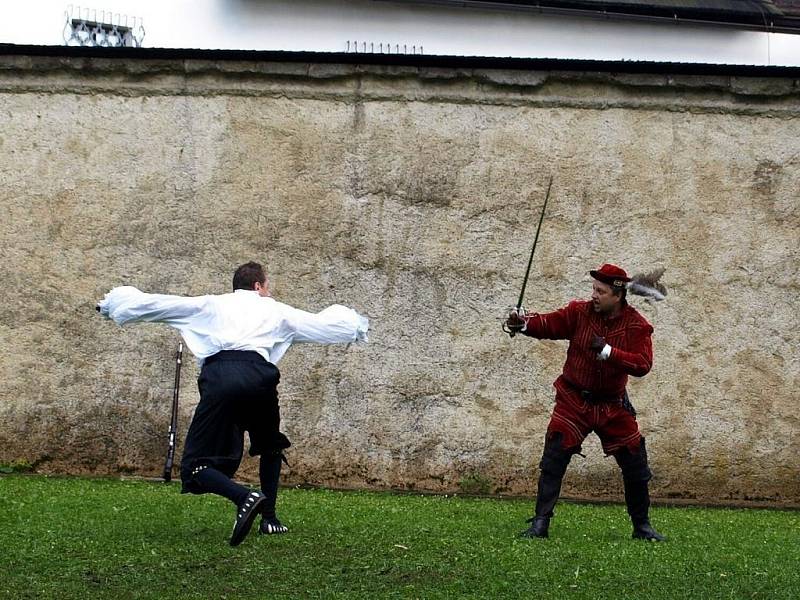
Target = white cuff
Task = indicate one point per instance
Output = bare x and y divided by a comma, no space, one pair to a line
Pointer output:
605,352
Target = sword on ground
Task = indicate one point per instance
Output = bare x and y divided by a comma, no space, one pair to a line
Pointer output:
173,425
511,332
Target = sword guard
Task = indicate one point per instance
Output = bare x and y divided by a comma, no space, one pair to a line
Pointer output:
506,329
510,332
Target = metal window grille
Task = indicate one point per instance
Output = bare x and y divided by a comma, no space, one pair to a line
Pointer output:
89,27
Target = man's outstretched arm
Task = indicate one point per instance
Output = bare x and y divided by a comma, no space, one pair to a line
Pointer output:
556,325
336,324
127,304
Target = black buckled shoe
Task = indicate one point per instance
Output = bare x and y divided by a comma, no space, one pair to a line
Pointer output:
538,529
271,526
245,515
645,531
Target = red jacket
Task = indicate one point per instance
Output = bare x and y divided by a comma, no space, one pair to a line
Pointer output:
628,334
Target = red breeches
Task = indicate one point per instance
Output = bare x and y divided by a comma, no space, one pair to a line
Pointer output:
576,418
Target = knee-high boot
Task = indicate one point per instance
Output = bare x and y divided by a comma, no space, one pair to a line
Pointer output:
636,476
552,468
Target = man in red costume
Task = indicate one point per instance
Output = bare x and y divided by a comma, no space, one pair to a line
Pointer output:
608,340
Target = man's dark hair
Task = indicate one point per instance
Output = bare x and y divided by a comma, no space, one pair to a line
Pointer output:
248,275
622,292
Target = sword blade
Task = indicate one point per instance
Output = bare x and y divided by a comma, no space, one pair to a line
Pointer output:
535,241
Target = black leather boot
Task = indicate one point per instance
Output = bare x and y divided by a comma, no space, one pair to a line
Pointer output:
645,531
538,529
552,468
636,476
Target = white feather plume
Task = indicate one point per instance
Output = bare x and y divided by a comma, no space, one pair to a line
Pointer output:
648,285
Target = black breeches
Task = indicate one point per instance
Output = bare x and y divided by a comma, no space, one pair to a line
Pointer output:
238,394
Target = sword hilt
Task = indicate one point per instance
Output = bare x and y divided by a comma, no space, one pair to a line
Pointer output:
506,329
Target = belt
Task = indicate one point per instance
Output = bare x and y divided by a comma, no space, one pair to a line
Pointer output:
593,397
236,355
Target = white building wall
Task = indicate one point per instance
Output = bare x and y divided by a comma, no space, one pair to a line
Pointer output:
328,26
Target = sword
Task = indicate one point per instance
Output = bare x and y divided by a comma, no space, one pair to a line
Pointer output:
173,425
511,332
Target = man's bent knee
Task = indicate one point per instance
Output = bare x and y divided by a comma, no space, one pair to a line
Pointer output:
275,444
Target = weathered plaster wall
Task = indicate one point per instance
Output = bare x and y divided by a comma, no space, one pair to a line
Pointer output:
411,195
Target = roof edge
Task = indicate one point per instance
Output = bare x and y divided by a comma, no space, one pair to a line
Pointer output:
757,19
406,60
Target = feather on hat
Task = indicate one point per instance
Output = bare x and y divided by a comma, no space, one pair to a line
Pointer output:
648,285
641,284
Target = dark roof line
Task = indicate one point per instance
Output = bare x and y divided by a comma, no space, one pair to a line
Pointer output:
757,15
406,60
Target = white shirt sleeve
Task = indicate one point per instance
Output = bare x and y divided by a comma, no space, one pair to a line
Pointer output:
336,324
127,304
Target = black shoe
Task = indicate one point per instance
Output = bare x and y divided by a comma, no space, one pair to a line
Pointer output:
270,526
538,529
245,515
645,531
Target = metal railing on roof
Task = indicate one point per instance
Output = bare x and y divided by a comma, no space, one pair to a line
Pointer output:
90,27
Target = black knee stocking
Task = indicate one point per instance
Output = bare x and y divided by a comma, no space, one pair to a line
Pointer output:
269,472
212,481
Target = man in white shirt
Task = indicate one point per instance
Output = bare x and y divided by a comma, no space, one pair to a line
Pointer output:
238,339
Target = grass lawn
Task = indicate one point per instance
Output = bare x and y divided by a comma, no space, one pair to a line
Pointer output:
90,538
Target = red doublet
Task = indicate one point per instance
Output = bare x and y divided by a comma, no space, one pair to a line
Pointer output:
628,334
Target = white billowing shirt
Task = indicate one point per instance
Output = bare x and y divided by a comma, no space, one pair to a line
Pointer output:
242,320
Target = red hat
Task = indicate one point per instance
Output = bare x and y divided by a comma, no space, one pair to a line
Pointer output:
612,275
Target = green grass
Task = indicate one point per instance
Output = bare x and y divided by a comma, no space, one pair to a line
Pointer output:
82,538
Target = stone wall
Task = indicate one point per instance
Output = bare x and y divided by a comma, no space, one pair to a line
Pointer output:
412,195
